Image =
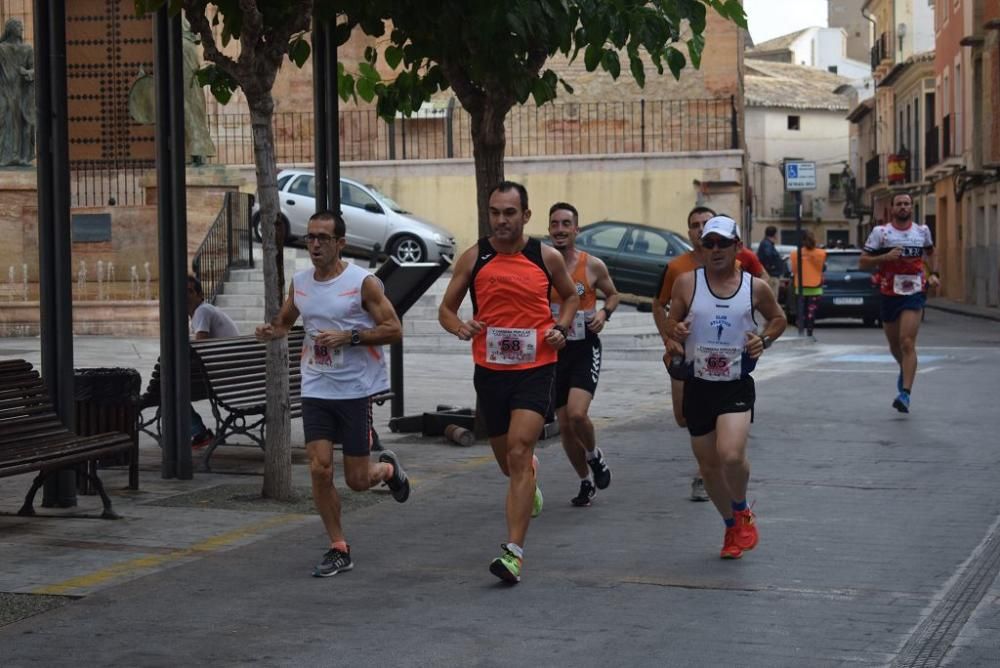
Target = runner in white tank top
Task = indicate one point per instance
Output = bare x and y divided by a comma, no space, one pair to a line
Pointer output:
711,313
347,319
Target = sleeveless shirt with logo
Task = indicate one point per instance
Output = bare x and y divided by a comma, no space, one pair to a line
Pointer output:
588,302
903,276
510,294
715,347
348,372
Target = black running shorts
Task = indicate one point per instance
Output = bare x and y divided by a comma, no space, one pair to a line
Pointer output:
706,400
344,421
500,392
579,366
893,305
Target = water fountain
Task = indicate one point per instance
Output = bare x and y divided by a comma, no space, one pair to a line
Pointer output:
24,282
10,292
110,280
100,280
149,278
81,281
133,283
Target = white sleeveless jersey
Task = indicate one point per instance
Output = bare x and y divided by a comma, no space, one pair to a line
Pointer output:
349,372
719,326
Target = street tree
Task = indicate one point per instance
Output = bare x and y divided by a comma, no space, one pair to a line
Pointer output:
267,32
493,55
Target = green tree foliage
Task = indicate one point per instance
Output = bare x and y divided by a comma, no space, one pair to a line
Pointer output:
493,55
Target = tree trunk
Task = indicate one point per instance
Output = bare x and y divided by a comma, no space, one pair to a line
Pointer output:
277,451
488,144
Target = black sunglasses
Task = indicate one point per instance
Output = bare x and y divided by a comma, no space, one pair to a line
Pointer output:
721,242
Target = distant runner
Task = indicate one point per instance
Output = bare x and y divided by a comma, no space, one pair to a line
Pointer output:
898,251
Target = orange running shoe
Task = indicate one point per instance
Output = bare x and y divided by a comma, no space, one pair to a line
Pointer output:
730,546
746,529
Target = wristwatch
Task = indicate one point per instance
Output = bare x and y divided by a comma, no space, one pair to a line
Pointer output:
562,330
355,337
607,313
767,341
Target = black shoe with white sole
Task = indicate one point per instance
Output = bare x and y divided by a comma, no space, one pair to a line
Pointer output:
334,561
587,492
602,474
399,484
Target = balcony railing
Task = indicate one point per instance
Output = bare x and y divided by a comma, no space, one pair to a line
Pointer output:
946,137
932,147
880,51
873,172
565,128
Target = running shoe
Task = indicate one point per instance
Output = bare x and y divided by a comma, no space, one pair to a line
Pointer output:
398,484
899,382
587,492
746,529
334,561
539,501
602,474
507,566
902,402
698,492
730,545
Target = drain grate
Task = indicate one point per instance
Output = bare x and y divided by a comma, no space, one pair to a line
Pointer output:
933,637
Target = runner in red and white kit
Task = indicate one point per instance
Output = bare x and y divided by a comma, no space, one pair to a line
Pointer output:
515,342
898,251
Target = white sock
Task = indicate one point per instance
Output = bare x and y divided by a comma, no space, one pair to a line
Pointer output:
593,454
589,477
516,550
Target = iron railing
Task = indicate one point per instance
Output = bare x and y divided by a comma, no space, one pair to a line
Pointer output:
566,128
227,245
880,51
99,183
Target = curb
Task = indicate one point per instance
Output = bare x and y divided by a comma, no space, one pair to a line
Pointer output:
960,309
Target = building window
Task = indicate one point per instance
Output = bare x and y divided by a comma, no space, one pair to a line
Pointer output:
793,123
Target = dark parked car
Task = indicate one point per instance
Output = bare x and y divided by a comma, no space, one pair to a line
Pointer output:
848,290
636,254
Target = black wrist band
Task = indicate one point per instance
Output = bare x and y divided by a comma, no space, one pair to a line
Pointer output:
562,330
607,313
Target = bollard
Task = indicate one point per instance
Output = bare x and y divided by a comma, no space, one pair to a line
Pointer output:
459,435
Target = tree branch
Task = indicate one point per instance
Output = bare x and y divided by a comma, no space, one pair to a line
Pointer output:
194,10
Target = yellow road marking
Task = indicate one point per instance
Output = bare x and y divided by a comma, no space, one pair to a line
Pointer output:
135,566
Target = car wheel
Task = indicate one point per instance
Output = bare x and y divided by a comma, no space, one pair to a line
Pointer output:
407,248
871,322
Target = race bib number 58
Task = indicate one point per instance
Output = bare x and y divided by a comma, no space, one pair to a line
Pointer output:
510,346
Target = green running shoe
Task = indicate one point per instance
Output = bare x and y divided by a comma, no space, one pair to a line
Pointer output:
507,566
536,506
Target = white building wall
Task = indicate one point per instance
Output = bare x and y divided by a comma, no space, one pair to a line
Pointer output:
822,48
824,137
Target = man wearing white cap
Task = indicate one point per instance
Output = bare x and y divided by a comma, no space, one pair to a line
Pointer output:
712,314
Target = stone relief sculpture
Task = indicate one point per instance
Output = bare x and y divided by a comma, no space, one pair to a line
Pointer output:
198,143
17,97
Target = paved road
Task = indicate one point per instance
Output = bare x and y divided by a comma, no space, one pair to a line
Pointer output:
879,543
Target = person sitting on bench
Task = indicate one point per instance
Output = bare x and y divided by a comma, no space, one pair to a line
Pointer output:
207,322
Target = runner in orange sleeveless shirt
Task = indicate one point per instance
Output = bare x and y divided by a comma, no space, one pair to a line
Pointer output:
579,364
515,343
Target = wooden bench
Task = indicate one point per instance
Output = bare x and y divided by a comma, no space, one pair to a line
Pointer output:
231,374
33,438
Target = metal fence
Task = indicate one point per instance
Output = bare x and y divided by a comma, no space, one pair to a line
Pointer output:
568,128
228,244
99,183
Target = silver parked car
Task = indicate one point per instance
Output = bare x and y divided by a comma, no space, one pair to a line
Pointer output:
371,217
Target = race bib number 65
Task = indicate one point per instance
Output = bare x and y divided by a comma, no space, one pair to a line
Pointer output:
510,346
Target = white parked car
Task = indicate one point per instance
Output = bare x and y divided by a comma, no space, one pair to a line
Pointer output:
371,217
